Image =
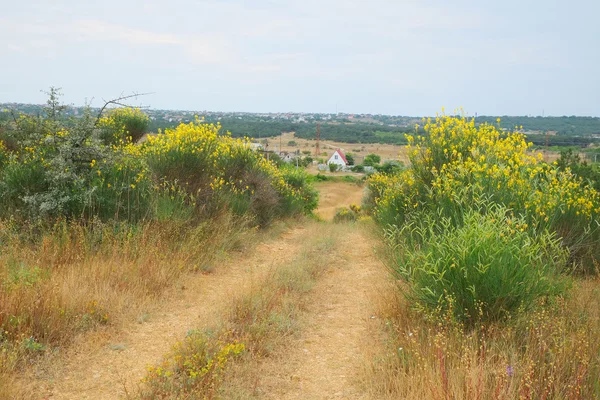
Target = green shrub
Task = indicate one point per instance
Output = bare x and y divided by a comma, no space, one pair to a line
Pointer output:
488,268
4,156
458,164
333,167
371,160
306,199
358,168
58,172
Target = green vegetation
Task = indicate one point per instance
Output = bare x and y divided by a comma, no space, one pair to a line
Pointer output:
488,241
356,133
483,269
371,160
589,173
564,126
84,203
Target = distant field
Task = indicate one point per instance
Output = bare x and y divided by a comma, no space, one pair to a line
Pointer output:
387,152
359,150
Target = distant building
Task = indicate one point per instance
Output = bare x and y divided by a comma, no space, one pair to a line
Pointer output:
338,158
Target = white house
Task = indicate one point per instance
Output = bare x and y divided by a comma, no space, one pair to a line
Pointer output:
338,158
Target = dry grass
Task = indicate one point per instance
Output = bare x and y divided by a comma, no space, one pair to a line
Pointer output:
551,353
74,279
220,362
386,151
333,195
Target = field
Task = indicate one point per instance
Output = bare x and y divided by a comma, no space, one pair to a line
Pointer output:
386,151
188,266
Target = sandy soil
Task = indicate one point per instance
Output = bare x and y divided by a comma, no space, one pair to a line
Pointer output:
106,366
341,330
333,195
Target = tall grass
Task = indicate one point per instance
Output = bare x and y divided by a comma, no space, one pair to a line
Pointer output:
549,353
486,269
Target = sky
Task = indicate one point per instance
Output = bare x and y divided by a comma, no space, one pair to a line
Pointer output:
403,57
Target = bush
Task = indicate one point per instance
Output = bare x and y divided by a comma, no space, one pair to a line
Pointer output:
350,158
56,172
333,167
487,269
122,125
220,171
358,168
389,167
457,164
371,160
4,155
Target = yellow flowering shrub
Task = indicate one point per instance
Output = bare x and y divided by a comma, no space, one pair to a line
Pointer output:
61,169
3,154
123,125
195,366
457,163
218,169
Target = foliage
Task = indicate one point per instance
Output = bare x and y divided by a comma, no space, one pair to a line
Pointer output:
568,126
344,215
88,168
347,214
358,168
218,170
199,364
458,164
389,167
333,167
484,270
547,353
60,168
350,158
354,133
590,174
371,160
122,125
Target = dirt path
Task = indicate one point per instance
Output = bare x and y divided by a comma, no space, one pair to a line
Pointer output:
325,360
340,332
333,195
104,368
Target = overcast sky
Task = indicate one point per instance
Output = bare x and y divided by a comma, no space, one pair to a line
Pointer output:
379,56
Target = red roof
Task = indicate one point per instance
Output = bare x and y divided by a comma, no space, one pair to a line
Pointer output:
343,156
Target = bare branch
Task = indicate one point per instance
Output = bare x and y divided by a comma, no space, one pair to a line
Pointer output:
118,101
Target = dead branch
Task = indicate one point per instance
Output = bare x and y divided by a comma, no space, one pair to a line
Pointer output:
119,102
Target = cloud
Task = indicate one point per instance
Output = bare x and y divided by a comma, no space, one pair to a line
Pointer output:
99,30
